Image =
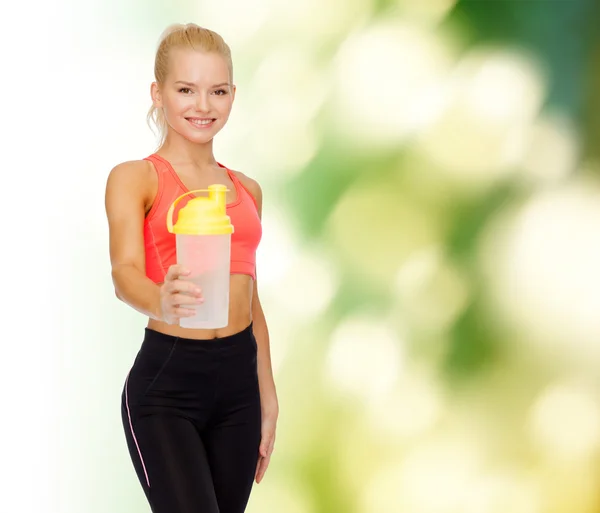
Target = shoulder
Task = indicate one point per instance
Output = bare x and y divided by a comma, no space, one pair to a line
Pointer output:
131,169
252,185
135,178
133,173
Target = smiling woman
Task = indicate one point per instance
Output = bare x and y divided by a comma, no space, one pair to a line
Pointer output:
192,99
182,58
199,406
190,87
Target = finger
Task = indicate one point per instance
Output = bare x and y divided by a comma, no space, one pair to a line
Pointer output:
257,467
183,312
259,472
175,271
264,464
263,448
184,286
271,447
184,300
265,443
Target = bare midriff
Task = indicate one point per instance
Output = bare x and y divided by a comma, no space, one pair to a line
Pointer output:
240,313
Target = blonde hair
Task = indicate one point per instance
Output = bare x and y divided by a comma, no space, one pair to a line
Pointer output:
181,35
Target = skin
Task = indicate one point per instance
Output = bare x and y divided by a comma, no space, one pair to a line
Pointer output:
130,191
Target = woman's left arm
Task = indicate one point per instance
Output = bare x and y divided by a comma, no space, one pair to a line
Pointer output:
268,393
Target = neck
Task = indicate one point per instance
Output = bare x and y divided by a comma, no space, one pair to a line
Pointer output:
181,151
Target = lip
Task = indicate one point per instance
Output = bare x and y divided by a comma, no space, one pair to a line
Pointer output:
201,127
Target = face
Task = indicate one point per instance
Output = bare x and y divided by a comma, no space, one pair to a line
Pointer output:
197,95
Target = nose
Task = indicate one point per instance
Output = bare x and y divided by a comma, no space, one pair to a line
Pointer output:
202,103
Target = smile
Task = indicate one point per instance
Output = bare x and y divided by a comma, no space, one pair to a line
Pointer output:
201,123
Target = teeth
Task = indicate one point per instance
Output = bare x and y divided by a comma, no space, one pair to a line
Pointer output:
201,122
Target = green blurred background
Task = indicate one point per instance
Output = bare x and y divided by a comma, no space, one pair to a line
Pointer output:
430,268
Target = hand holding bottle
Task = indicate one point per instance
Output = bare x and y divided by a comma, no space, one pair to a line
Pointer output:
175,292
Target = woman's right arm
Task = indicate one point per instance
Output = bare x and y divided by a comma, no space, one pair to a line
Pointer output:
127,193
125,201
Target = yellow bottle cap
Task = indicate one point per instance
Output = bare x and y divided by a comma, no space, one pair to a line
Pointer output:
202,215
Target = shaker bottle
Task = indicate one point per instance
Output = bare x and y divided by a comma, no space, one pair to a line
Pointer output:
203,244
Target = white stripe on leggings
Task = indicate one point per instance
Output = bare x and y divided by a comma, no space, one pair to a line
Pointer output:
132,433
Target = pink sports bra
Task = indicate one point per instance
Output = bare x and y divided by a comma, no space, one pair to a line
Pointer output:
160,244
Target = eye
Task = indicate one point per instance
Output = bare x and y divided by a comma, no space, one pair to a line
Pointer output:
220,92
184,89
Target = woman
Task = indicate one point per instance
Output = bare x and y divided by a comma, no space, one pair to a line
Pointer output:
199,406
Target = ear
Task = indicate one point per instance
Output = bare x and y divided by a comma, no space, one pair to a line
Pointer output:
233,90
156,95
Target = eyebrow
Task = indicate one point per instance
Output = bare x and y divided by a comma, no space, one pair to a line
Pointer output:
192,84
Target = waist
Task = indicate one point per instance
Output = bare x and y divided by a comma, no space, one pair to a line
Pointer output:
240,314
155,339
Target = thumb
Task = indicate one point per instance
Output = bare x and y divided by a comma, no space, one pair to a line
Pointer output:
264,445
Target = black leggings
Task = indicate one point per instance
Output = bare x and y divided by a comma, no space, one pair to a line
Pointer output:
191,414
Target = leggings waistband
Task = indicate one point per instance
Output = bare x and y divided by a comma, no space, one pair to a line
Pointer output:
153,338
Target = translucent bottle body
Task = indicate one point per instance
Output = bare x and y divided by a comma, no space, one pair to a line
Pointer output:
208,259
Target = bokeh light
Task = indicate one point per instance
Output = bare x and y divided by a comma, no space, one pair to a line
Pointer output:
376,232
384,75
545,254
365,358
565,422
430,292
479,132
